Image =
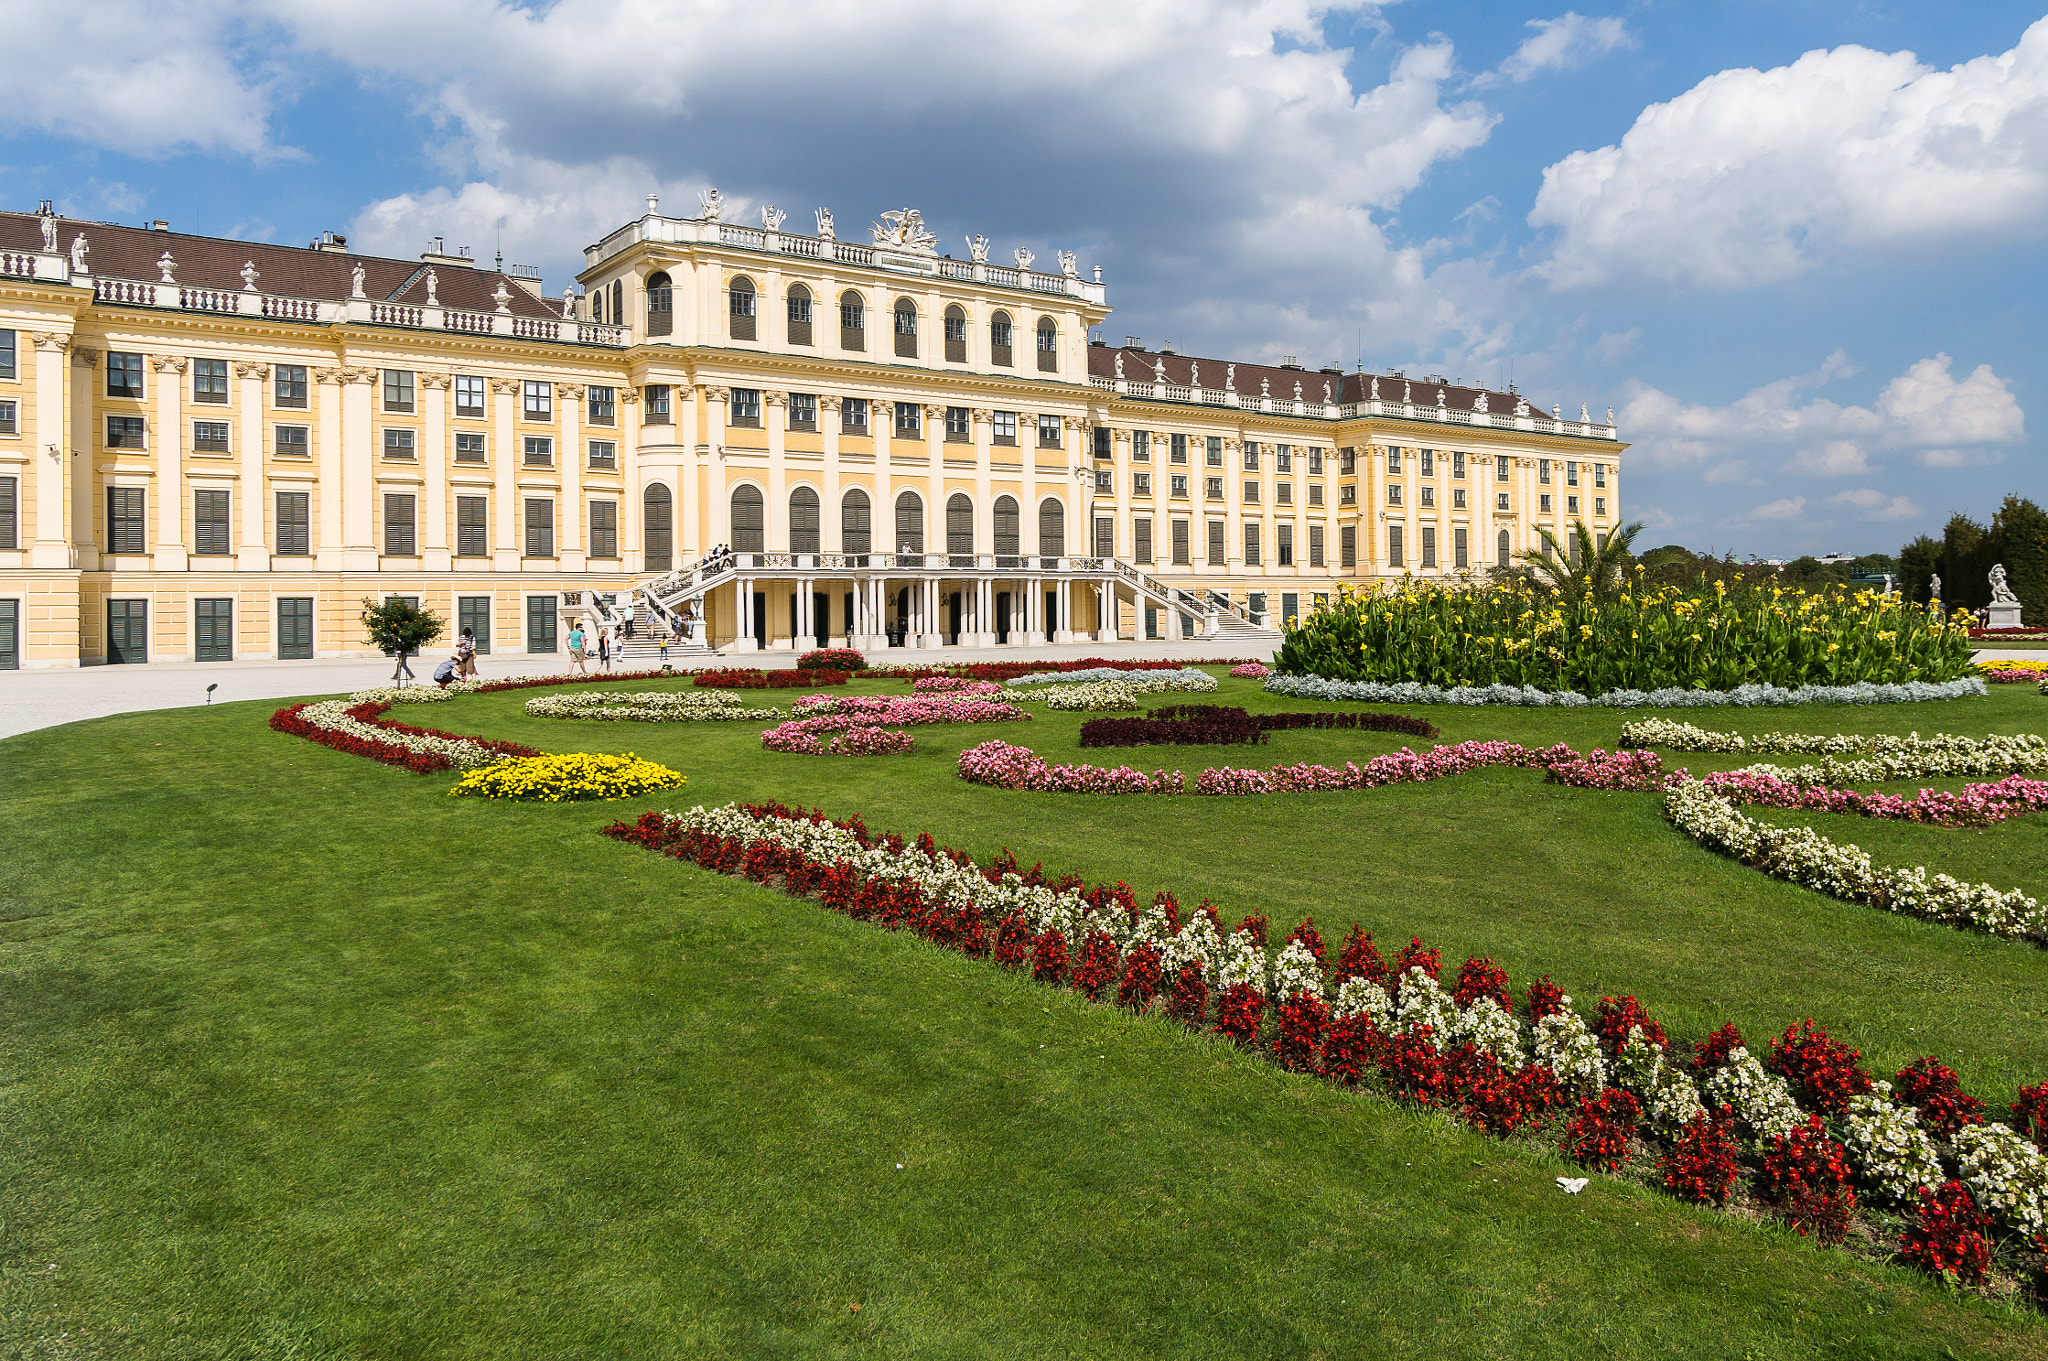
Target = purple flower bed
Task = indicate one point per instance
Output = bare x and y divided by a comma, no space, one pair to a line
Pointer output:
1216,725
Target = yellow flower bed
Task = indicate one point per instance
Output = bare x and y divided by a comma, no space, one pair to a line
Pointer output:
567,778
2040,668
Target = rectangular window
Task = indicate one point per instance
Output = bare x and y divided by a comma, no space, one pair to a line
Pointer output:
1429,545
1315,463
1543,504
124,432
1141,446
10,511
1180,543
1180,485
536,401
1005,427
1213,452
293,441
1283,458
400,540
473,612
1347,546
745,407
853,416
957,424
1290,607
1500,500
1571,505
289,386
539,452
1251,493
1141,540
209,437
8,363
1315,493
400,445
469,447
604,529
210,380
1347,462
295,627
210,523
540,527
1571,472
1105,537
1429,463
1599,505
1251,456
909,420
124,374
655,397
1459,547
1500,468
1393,493
540,623
398,390
213,630
603,404
1347,494
10,420
1251,545
469,395
1457,498
1393,460
1049,432
1394,558
1216,543
472,527
124,520
1283,545
1599,474
1103,443
294,524
1212,487
604,454
1457,463
1284,493
1104,480
1543,471
1255,601
803,411
1141,484
1178,450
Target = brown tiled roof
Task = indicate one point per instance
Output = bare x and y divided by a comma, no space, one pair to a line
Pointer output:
295,271
1254,380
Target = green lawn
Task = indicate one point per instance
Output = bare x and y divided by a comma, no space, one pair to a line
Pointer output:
304,1059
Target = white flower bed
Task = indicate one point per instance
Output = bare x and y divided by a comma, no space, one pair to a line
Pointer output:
411,694
1090,697
1804,857
1568,1049
1761,1099
653,706
2006,1173
333,716
1187,678
1887,1144
1870,757
1745,696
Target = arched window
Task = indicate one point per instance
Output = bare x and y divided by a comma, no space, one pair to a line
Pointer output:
1052,528
853,321
740,308
799,315
1048,346
803,521
661,304
956,334
746,520
855,532
1505,554
618,302
906,329
959,524
999,351
909,523
657,528
1006,527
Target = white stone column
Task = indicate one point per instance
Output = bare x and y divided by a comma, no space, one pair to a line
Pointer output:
50,452
569,544
632,546
327,417
435,554
928,613
744,592
252,553
806,610
1105,619
84,436
718,496
775,425
508,542
169,440
1063,627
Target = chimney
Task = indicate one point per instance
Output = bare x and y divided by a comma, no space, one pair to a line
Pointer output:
332,242
159,225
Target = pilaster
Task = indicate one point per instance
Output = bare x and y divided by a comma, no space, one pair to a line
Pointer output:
169,552
252,551
506,540
435,553
50,455
569,413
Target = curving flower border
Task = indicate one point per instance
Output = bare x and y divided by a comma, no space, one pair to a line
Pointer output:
359,730
1744,696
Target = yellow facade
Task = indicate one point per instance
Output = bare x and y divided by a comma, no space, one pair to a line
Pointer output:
203,470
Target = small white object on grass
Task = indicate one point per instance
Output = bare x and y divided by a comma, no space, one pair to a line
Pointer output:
899,1167
1571,1186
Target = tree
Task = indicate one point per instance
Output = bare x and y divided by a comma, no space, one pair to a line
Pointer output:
1590,570
2019,539
1918,561
400,626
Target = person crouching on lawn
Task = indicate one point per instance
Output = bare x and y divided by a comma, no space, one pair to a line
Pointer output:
446,672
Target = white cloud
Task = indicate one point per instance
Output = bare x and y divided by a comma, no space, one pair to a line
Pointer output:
1927,400
1613,345
1785,508
1755,176
1559,44
1836,458
1733,470
1875,505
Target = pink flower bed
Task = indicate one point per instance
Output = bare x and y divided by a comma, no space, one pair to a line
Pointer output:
1251,671
954,685
1005,766
2005,676
836,737
1978,804
862,722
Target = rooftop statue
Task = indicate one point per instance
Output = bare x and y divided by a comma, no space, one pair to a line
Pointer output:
825,225
48,217
80,248
1024,258
355,281
712,205
433,289
1375,387
904,228
1067,265
772,217
1194,373
1479,403
977,249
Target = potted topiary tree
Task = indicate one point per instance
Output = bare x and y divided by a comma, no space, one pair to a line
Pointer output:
400,628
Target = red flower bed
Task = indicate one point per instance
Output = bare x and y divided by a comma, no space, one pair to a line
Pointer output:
832,659
1807,1173
1600,1132
1947,1234
533,682
1933,1089
1482,978
1401,723
390,753
748,679
1823,1071
1700,1167
1215,725
1616,1019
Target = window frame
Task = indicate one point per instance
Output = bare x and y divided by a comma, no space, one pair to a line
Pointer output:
290,387
536,401
538,530
127,363
482,451
601,453
212,522
471,384
401,531
537,451
401,444
1004,429
1051,432
300,448
126,526
294,527
601,404
743,408
214,374
400,392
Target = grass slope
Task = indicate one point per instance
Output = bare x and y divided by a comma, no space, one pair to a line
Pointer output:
304,1059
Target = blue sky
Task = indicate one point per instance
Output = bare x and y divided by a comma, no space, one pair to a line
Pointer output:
1795,245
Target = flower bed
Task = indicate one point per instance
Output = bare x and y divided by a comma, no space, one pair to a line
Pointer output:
649,706
568,778
1707,1118
1744,696
1090,697
1347,722
1005,766
1994,749
1251,671
1007,671
857,725
1197,725
832,659
1169,676
359,730
2014,673
837,737
953,685
770,680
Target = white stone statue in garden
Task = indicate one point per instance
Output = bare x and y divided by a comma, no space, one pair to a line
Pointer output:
2001,594
1934,588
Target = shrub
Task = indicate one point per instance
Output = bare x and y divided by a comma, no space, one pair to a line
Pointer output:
1100,965
1598,1135
1361,959
1303,1020
1237,1015
832,659
569,778
1482,978
1713,1053
1946,1233
1545,998
1049,957
1700,1167
1189,1002
1217,728
1823,1071
1807,1174
1140,983
1616,1019
1509,635
1933,1089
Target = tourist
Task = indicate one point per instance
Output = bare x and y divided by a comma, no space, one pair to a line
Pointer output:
604,649
444,674
465,653
626,624
576,648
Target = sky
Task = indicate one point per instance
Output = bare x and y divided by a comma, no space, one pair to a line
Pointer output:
1795,246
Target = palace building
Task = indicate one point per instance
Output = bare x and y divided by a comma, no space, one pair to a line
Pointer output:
216,450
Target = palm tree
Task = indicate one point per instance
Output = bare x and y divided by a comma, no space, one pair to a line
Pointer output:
1589,571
